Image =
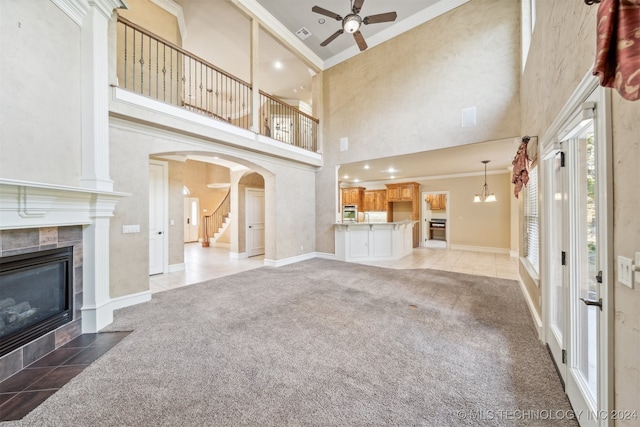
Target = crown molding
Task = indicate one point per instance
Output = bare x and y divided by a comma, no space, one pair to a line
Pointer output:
74,9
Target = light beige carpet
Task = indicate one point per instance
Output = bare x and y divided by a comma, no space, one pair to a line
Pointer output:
319,343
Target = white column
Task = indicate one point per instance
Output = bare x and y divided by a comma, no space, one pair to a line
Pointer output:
96,310
255,81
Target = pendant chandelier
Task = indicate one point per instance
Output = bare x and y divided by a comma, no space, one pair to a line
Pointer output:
485,196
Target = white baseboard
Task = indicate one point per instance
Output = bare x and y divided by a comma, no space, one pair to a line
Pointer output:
287,261
221,245
325,255
238,255
514,254
176,267
537,321
129,300
503,251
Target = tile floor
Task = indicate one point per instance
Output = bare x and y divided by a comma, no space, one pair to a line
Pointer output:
210,263
22,392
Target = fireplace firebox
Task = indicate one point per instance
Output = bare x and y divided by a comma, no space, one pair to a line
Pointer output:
36,295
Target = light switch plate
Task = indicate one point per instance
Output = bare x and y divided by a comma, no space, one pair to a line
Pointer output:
625,271
131,228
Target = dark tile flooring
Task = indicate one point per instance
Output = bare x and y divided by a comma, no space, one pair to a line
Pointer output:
24,391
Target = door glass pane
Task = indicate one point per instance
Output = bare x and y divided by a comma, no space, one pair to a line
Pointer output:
558,227
194,212
587,321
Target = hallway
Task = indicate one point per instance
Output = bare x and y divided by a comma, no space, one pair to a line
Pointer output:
210,263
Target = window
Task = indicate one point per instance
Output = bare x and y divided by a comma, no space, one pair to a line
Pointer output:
531,220
528,19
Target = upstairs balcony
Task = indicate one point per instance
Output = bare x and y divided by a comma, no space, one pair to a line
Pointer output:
153,67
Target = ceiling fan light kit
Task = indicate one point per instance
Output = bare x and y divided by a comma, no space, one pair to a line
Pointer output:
485,195
352,22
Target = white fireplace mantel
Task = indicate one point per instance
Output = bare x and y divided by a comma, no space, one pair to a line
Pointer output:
25,204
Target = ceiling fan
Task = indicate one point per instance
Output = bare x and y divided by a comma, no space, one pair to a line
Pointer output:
352,22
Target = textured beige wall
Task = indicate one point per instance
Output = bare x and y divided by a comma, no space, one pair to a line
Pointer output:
485,225
561,54
176,212
406,94
153,18
40,111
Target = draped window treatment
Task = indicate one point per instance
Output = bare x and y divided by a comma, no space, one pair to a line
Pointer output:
521,167
618,47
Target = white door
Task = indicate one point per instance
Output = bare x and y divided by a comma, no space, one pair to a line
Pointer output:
558,287
577,320
157,204
191,219
254,199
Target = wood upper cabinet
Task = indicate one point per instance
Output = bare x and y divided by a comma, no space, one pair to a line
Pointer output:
375,200
437,202
404,192
353,196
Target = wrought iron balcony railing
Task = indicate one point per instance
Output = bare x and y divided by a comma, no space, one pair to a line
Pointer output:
154,67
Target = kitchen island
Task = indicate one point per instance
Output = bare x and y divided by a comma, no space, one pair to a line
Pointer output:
373,241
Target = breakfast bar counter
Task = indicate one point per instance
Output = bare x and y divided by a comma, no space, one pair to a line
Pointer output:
373,241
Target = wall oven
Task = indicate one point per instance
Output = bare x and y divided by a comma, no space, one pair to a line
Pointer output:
350,213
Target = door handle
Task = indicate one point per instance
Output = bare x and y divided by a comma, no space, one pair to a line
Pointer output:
159,232
599,277
597,303
249,226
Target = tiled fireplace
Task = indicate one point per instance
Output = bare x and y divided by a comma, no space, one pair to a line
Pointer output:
32,241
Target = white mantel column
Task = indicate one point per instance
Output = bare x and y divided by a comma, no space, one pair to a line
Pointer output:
96,308
95,94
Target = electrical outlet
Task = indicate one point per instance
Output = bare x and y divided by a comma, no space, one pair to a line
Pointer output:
625,271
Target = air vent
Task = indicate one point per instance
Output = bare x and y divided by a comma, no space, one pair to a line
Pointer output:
303,33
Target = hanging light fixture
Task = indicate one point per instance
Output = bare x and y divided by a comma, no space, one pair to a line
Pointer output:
485,196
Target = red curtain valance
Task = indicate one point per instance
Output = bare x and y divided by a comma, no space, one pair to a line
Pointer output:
618,47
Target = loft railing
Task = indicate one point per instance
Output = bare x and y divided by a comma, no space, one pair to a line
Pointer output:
157,68
212,223
288,124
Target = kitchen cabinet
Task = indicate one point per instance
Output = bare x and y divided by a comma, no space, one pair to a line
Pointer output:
353,196
375,201
437,202
404,192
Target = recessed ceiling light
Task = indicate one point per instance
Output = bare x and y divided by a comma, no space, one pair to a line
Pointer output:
392,177
295,90
356,180
346,177
366,166
277,65
392,170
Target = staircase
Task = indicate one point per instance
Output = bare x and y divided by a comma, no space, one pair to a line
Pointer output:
216,223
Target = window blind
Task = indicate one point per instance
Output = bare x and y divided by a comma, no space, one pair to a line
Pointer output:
531,218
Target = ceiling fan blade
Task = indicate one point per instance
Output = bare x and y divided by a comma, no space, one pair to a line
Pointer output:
332,37
357,5
360,40
325,12
383,17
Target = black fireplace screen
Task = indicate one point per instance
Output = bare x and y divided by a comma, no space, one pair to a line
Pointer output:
35,295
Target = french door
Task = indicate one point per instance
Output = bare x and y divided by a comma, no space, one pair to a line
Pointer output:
578,265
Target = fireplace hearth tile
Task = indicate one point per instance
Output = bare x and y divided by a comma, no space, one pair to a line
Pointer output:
27,389
10,364
83,340
77,279
23,403
68,332
38,348
23,379
56,358
57,378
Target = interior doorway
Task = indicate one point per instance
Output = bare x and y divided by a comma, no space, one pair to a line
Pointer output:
435,219
191,219
255,220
